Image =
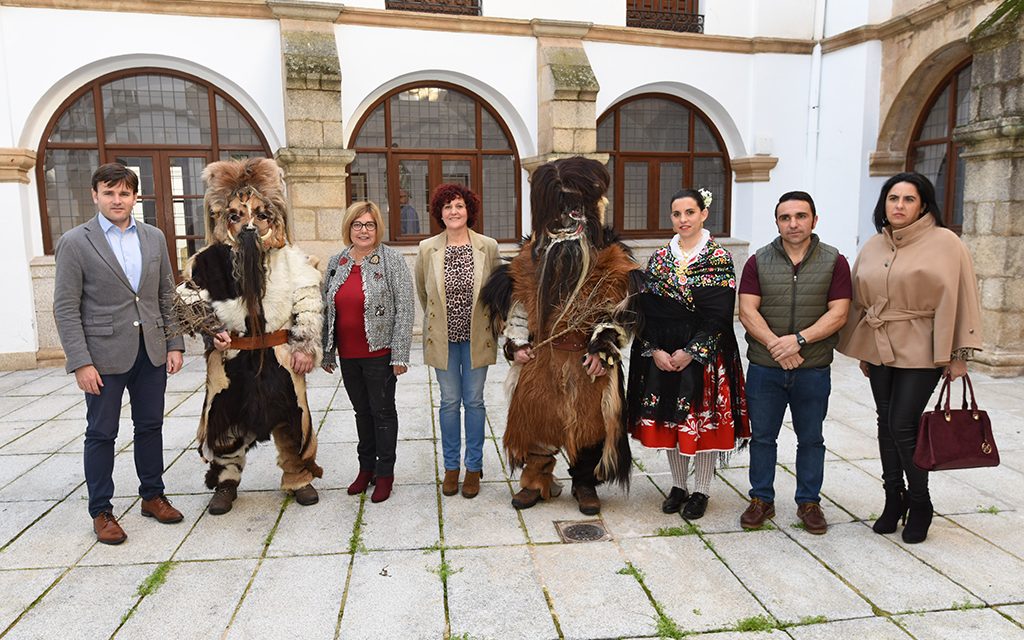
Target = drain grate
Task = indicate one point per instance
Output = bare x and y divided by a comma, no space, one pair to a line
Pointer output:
581,531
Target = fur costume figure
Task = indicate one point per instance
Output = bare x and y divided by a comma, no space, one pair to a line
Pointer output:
562,305
256,300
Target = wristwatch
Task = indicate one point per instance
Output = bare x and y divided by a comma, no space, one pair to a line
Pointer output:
800,340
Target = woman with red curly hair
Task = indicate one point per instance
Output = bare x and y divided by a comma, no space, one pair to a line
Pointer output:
450,270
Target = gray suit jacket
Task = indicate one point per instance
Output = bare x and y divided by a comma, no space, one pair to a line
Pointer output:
98,315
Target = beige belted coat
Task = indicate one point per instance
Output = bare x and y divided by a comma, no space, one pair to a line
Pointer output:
915,298
430,289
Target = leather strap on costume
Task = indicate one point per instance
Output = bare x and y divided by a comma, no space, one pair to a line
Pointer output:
877,315
254,343
572,341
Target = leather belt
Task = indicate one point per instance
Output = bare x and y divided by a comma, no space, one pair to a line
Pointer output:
254,343
572,341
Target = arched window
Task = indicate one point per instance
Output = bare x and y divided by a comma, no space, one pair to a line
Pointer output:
659,144
419,136
934,153
164,125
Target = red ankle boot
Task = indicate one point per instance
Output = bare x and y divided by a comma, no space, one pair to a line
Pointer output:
383,489
363,480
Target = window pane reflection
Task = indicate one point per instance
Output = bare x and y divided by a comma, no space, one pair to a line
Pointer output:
433,118
155,109
67,174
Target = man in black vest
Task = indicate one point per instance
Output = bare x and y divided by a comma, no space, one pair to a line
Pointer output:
794,297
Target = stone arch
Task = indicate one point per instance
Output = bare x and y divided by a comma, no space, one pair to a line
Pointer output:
890,155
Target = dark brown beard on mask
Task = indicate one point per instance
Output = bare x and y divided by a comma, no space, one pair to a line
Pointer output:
249,269
562,265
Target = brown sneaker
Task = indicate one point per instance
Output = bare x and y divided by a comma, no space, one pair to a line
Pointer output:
812,517
161,509
587,498
107,530
471,484
757,512
450,486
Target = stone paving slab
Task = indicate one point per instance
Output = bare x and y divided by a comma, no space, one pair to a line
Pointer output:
317,529
51,479
12,467
785,489
90,600
293,599
486,520
20,589
150,540
746,554
859,493
203,593
378,577
957,625
694,588
638,513
415,462
987,571
948,494
1015,611
873,628
46,437
849,443
340,464
1003,529
415,422
724,506
407,520
589,595
851,549
11,431
493,465
495,594
16,516
44,408
240,533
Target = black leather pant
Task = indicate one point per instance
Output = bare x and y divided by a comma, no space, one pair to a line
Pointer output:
901,396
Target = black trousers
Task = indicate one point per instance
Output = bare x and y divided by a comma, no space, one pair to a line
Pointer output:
583,471
901,396
370,383
145,384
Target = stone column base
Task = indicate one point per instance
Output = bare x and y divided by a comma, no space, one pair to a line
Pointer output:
999,363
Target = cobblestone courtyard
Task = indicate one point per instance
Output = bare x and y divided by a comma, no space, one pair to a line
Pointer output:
421,565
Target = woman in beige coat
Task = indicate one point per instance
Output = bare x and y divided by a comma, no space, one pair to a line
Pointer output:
450,270
915,317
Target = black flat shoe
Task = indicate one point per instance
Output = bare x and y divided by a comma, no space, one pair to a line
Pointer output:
674,502
695,506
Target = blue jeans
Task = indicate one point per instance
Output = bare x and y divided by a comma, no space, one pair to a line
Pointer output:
461,384
805,391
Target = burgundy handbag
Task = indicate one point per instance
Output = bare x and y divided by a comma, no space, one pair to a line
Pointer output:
955,438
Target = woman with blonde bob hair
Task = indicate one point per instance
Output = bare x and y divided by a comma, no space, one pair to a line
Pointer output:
368,313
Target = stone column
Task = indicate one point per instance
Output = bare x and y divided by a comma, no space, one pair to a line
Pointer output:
566,94
315,160
993,153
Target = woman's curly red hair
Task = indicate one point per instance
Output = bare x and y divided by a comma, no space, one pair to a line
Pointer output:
445,193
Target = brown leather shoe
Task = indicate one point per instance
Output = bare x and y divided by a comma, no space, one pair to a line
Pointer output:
471,484
223,497
107,530
306,495
812,517
757,512
526,498
586,497
450,486
161,509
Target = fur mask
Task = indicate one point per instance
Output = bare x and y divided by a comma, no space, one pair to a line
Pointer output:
245,194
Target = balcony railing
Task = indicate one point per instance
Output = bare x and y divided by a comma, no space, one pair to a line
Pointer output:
667,15
451,7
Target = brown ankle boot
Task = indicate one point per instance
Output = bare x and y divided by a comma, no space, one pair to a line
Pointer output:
471,484
586,496
450,486
223,496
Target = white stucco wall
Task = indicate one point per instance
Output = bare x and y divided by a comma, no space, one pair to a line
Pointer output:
748,18
842,16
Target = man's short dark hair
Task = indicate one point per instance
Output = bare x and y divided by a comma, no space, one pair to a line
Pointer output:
114,173
802,196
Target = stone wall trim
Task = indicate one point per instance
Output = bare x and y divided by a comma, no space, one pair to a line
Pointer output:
15,164
753,168
893,26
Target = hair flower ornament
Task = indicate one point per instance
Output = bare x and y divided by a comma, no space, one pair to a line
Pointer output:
706,194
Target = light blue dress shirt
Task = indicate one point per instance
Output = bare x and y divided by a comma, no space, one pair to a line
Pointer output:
126,247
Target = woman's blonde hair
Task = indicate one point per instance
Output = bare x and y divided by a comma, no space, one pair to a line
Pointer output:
355,210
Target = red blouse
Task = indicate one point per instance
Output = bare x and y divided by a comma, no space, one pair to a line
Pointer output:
349,324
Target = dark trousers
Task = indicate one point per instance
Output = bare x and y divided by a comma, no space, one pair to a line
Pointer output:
584,468
901,396
370,383
145,384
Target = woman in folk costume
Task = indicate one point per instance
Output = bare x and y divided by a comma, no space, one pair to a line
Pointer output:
562,299
685,377
256,299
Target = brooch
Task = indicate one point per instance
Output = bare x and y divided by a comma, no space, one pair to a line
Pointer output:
375,259
378,276
379,311
342,261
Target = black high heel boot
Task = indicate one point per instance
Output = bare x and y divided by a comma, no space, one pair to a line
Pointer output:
896,504
920,518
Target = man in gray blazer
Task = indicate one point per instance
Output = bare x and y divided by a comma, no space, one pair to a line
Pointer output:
112,304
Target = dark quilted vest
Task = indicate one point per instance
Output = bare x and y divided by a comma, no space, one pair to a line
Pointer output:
792,302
